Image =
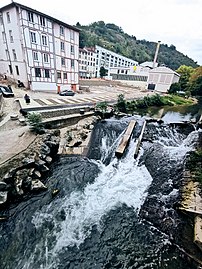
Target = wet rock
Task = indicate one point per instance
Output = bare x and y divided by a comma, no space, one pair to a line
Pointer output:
37,185
3,196
3,186
8,178
48,159
18,185
28,161
26,184
45,149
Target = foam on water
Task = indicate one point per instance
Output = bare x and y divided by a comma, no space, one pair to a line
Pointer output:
118,183
122,181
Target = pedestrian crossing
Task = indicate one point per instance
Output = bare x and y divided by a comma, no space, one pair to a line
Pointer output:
42,102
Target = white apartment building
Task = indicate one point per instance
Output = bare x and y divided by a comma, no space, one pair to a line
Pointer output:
110,59
87,57
38,49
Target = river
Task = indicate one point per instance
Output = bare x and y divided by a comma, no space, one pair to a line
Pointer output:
109,212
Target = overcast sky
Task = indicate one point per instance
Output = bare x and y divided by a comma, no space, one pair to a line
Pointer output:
177,22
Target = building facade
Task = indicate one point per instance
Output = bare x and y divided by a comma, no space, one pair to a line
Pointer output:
161,78
87,57
110,59
37,49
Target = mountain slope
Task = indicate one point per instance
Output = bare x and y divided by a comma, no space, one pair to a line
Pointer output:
112,37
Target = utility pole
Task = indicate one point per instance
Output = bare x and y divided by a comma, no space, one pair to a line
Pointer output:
156,53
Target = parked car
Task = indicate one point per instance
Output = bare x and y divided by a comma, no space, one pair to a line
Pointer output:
67,93
6,91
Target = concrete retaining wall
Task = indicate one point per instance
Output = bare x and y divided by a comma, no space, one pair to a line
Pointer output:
1,104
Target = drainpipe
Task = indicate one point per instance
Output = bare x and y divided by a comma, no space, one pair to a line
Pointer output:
156,53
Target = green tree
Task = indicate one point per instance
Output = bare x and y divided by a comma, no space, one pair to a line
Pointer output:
196,87
185,74
103,72
121,105
35,122
174,88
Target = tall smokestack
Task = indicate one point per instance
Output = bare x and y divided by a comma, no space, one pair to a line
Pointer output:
156,53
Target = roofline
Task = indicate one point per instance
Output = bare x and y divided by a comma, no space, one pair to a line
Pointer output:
15,4
156,71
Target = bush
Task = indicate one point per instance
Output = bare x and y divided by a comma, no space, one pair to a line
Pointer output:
174,88
121,105
35,122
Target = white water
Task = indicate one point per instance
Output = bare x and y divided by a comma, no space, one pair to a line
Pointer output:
120,182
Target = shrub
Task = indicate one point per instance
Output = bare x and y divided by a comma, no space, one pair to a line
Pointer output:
35,122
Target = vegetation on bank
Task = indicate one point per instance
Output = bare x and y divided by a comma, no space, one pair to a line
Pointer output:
112,37
124,106
156,100
190,82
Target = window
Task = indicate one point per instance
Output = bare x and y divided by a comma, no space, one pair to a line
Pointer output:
10,69
62,61
11,36
72,34
7,54
46,58
65,75
42,21
47,73
35,56
72,63
59,75
14,55
17,70
4,37
61,30
44,40
30,16
33,37
37,72
8,17
72,49
62,46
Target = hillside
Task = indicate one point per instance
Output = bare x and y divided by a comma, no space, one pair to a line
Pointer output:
112,37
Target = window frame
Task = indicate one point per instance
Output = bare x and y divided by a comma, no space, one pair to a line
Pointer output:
33,37
37,72
62,46
44,40
46,71
30,16
46,58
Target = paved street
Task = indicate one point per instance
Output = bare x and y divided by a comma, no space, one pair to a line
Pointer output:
96,94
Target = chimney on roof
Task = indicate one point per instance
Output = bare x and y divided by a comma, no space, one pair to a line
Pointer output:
156,53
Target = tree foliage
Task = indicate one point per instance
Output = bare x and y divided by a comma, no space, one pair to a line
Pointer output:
103,72
112,37
35,122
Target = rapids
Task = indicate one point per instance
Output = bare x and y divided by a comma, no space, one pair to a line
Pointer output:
109,212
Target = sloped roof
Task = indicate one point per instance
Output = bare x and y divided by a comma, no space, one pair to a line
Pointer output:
15,4
163,69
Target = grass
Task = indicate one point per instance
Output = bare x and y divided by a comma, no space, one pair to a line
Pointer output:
177,100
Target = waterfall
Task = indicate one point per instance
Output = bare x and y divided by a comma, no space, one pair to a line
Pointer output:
69,219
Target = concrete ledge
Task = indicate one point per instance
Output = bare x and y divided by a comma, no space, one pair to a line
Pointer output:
61,121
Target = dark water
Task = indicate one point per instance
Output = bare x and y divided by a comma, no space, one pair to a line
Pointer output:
108,212
176,113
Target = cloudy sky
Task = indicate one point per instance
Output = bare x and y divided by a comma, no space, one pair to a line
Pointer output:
177,22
